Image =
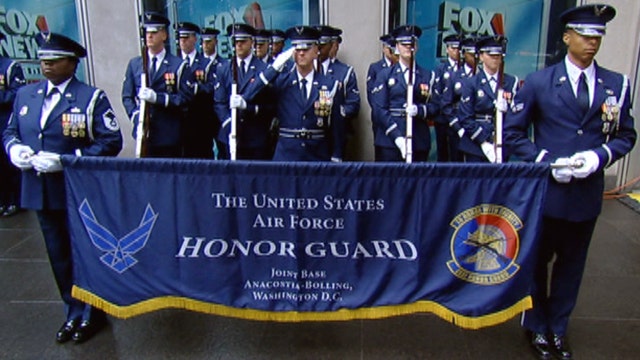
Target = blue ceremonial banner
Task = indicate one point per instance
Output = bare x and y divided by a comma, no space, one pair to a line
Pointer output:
305,241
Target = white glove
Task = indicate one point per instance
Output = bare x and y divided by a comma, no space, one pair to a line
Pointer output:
401,143
335,159
460,133
590,162
46,162
237,102
147,94
501,104
20,155
562,171
282,58
489,151
412,110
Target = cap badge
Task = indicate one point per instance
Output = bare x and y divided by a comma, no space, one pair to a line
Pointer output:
599,11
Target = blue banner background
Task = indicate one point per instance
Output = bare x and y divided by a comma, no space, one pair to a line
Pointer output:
419,207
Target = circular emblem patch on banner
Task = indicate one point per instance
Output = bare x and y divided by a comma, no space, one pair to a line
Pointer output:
485,244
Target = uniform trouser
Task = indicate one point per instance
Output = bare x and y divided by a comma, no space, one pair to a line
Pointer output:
393,154
168,151
471,158
442,142
244,153
555,290
55,230
9,181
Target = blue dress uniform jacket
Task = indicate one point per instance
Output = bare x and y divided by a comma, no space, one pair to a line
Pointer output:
390,97
444,136
81,106
254,121
347,76
450,100
172,85
201,124
548,103
372,74
477,111
303,135
11,79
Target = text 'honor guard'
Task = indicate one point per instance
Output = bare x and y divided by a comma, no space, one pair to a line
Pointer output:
60,116
166,93
582,123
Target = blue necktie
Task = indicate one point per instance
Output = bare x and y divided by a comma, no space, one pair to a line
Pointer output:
242,64
152,69
303,89
583,94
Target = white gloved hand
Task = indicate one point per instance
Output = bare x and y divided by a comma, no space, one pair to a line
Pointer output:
489,151
401,143
282,58
46,162
562,170
501,104
335,159
412,110
460,133
237,102
590,162
20,155
147,94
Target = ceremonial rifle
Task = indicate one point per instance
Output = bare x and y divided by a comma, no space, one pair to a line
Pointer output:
233,144
498,25
409,118
176,24
142,130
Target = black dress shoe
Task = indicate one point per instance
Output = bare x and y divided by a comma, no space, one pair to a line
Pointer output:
540,345
10,210
66,331
86,330
560,347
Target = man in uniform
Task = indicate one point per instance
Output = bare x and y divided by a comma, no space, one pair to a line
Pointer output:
342,72
199,123
60,116
253,117
450,98
209,37
389,57
581,116
479,101
308,102
167,93
261,42
446,140
11,79
277,42
389,97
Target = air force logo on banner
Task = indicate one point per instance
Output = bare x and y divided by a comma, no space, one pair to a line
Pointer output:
485,244
118,252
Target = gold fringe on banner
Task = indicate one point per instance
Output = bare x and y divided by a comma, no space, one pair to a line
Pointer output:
466,322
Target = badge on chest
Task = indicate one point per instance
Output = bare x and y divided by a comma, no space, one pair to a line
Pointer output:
74,123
